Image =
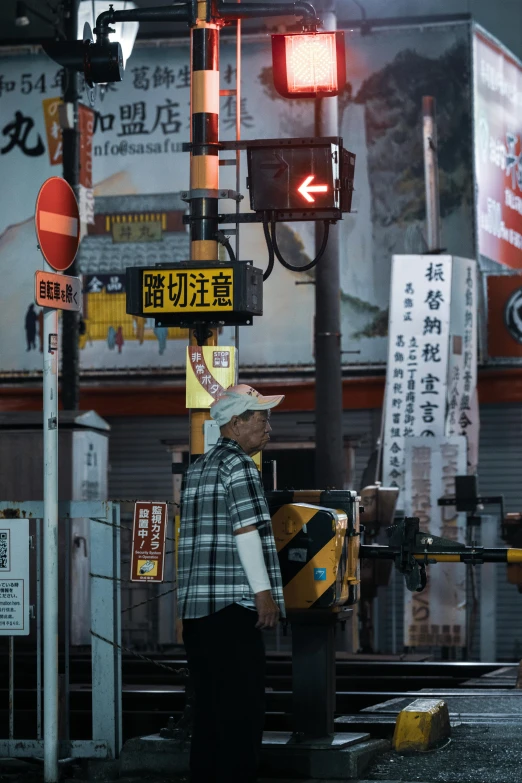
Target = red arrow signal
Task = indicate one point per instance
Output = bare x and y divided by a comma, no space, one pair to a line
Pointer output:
305,189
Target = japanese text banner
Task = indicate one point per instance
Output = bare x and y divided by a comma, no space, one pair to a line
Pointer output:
462,416
188,290
417,357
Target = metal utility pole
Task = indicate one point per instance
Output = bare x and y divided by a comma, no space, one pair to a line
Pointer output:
50,542
204,170
329,451
315,642
431,174
71,167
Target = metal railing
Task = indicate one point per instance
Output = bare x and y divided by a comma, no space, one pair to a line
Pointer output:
105,630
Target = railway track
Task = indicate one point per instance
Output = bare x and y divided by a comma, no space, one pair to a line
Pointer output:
151,695
136,670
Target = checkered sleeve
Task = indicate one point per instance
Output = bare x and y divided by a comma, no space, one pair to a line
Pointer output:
245,496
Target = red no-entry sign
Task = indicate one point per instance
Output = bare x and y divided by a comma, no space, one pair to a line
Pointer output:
57,223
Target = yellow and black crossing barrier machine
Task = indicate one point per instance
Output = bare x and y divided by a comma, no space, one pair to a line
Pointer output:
318,538
317,535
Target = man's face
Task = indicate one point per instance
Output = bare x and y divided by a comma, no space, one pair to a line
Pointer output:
253,435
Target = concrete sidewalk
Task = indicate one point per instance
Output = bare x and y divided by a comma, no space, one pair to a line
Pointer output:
474,754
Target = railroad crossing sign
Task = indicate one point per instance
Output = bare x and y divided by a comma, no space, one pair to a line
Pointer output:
188,293
57,223
307,179
60,291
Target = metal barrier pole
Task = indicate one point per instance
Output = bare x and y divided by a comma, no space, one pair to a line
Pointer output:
329,442
50,550
394,612
488,593
106,627
67,630
38,629
116,602
238,152
431,174
11,687
313,676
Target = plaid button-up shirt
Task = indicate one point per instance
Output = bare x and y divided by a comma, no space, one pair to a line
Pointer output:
223,493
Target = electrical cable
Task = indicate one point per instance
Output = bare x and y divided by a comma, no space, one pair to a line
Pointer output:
270,248
306,267
223,240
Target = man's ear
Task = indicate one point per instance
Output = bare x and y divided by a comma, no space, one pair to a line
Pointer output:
233,423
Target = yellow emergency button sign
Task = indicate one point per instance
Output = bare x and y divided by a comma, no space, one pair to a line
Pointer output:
188,290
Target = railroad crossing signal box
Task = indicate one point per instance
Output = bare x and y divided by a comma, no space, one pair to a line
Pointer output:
305,178
317,539
190,292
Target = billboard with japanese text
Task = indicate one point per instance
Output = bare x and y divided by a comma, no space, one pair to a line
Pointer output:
139,171
497,83
432,358
417,358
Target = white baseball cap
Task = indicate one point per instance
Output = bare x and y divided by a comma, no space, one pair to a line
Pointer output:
238,399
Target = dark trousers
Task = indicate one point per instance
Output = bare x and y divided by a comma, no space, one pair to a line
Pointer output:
226,658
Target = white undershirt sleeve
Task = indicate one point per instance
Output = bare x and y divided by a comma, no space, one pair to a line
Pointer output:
250,552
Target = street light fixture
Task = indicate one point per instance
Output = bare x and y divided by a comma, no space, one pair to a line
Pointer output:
309,65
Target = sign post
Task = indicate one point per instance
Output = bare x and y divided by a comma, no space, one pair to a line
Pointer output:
58,232
50,537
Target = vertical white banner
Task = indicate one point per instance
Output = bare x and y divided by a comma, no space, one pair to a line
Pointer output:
418,345
437,615
462,411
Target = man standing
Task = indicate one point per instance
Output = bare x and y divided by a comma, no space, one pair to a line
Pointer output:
229,590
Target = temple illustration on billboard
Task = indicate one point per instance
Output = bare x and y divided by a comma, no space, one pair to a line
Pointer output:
128,231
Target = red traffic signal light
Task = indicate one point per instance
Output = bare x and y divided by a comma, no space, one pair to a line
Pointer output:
309,65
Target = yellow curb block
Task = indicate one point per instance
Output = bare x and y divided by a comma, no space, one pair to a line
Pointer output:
421,725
